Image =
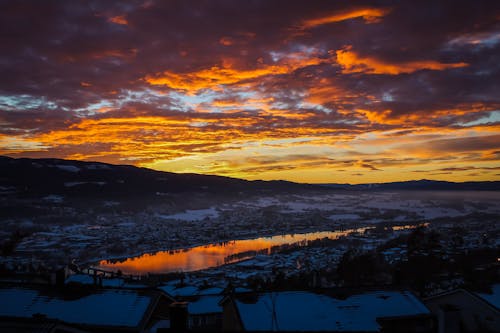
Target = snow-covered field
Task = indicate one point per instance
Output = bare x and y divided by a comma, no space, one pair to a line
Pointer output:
423,205
193,215
115,234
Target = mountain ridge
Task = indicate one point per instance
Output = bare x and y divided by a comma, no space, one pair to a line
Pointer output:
82,177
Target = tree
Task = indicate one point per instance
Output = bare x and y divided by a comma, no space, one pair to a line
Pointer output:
363,268
422,242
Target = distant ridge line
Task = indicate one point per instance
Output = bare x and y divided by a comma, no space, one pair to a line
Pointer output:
424,184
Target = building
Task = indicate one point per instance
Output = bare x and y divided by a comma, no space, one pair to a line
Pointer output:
202,305
463,311
205,313
38,325
93,310
493,297
387,311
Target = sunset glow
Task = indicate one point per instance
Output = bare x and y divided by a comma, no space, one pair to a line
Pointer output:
308,91
212,255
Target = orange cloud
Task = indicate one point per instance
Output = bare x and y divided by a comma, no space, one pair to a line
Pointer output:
153,137
226,41
251,147
369,15
351,62
386,117
327,91
130,53
126,54
257,103
216,76
118,20
210,78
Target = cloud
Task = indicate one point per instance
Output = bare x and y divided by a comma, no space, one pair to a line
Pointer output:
366,166
351,62
122,20
217,76
369,15
477,143
210,78
272,89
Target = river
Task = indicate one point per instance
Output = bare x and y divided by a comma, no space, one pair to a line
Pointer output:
211,255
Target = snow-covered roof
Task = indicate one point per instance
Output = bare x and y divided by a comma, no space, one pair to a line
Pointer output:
205,304
307,311
182,291
113,283
87,279
242,290
103,308
189,290
80,279
494,297
211,291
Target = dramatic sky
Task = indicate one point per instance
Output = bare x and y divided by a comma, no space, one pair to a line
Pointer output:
309,91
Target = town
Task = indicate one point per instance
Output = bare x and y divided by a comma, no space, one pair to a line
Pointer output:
432,249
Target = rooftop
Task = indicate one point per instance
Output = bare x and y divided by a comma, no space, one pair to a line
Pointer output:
312,311
205,304
99,308
494,297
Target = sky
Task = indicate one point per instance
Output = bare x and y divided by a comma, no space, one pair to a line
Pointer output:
307,91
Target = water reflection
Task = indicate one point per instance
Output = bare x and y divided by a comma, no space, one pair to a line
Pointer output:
206,256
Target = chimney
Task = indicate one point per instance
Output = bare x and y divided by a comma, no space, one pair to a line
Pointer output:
448,319
179,316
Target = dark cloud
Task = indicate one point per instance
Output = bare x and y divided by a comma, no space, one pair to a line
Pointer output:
368,166
251,69
59,45
466,144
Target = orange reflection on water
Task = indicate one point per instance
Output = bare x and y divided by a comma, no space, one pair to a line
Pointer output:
206,256
410,226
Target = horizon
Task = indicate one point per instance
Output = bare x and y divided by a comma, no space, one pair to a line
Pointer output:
271,180
313,93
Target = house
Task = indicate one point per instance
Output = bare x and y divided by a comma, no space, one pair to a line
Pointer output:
93,310
179,292
463,311
101,281
205,313
494,297
95,280
202,305
38,325
386,311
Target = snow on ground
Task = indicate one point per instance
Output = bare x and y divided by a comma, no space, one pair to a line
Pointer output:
342,217
414,203
126,224
261,202
435,212
71,184
69,168
193,215
53,198
98,167
423,208
305,206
